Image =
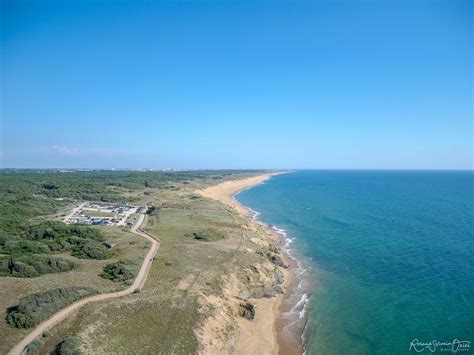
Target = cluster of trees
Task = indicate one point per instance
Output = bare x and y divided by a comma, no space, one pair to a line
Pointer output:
27,195
27,254
43,237
33,265
121,271
96,185
35,308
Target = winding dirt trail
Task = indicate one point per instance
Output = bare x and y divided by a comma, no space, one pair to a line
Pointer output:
64,313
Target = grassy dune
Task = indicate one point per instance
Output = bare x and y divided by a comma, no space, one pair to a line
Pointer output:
166,314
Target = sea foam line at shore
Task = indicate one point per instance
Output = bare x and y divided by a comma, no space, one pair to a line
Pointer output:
297,314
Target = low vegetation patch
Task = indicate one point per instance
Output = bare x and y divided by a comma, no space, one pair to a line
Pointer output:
27,254
207,235
35,308
153,210
89,249
35,347
33,265
121,271
247,311
69,346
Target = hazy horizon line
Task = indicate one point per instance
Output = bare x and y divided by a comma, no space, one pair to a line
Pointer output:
239,169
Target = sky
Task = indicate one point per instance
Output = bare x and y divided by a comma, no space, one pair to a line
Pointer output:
334,84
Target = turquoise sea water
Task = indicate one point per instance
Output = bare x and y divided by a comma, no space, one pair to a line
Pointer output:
391,253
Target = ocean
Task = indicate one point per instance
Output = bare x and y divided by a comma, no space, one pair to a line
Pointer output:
390,255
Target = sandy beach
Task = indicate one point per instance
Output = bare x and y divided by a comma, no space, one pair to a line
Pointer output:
261,335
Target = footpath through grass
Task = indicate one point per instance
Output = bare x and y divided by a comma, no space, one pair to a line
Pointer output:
163,317
199,239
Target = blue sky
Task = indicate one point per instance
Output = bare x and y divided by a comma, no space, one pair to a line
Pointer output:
228,84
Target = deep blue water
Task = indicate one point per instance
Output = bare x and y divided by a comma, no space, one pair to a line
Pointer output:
392,253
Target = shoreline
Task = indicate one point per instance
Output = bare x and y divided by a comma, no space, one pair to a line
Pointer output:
265,335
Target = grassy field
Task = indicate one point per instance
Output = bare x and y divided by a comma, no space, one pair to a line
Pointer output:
163,317
202,242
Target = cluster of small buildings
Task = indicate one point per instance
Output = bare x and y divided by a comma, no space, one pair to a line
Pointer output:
96,221
101,215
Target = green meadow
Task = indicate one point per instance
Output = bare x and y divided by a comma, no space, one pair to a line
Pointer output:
202,242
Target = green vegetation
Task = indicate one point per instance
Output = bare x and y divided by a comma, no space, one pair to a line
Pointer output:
69,346
164,314
35,308
121,271
89,249
47,237
152,210
33,265
27,252
106,186
207,235
34,347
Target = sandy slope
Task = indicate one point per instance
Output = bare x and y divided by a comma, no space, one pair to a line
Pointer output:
258,336
62,314
225,191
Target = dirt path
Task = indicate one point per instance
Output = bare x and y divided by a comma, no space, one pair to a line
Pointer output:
73,211
64,313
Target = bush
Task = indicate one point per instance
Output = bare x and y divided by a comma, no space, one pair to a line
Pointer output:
47,334
53,230
151,210
35,346
69,346
34,308
33,265
23,251
90,249
207,235
122,270
25,246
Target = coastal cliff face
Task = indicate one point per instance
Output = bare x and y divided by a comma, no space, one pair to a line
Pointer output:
236,306
246,308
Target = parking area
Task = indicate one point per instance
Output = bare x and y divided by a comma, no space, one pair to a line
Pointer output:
102,214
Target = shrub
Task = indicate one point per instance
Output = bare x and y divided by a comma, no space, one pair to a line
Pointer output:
33,265
122,270
53,230
69,346
35,346
151,210
25,246
207,235
47,334
90,249
36,307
